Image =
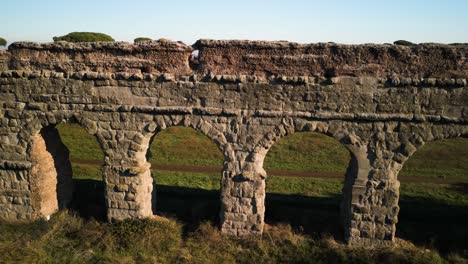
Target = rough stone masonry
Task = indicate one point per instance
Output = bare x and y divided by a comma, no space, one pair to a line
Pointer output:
382,102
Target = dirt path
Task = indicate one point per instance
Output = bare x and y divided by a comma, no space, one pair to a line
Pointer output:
322,175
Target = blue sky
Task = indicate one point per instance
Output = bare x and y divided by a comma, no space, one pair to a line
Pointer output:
304,21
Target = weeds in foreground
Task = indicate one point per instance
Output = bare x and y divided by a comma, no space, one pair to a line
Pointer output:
67,238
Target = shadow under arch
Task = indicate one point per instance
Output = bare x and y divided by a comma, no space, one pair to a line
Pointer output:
186,167
315,198
434,214
53,185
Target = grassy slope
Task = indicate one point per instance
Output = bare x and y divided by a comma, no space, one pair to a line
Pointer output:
445,158
184,146
81,144
299,152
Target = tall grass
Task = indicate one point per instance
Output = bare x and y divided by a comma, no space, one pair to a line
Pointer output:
67,238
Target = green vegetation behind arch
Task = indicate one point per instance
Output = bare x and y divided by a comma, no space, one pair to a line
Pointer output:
84,37
3,42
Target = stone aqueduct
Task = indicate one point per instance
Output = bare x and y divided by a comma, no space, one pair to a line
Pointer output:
382,102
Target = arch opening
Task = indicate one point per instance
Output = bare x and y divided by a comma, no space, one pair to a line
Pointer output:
306,172
434,196
66,172
186,167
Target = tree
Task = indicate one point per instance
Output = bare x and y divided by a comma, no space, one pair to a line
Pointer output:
142,39
84,37
165,40
404,43
3,42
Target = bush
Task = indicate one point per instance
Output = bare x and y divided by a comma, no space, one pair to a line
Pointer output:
84,37
404,43
142,39
165,40
3,42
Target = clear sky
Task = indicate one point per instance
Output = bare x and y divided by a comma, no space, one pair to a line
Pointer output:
342,21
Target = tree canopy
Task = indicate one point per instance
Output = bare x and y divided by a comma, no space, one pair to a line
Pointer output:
3,42
85,37
404,43
142,39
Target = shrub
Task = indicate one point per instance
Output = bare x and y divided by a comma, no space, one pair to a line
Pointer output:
142,39
84,37
3,42
404,43
165,40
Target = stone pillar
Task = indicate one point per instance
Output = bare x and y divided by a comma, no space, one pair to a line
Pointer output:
127,175
371,192
242,197
51,173
128,191
15,171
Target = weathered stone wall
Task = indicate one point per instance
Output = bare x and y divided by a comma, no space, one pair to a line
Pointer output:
4,58
381,120
148,57
262,58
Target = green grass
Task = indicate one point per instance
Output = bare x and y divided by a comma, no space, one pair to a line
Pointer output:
308,152
80,144
184,146
303,152
314,187
450,194
187,179
86,171
444,158
70,239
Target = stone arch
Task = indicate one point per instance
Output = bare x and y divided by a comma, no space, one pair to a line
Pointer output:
425,134
428,134
415,136
204,126
358,166
356,146
50,175
333,129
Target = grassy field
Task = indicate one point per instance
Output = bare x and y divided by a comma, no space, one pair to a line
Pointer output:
304,152
303,212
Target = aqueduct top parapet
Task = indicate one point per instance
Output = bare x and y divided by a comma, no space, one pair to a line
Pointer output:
259,58
381,101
